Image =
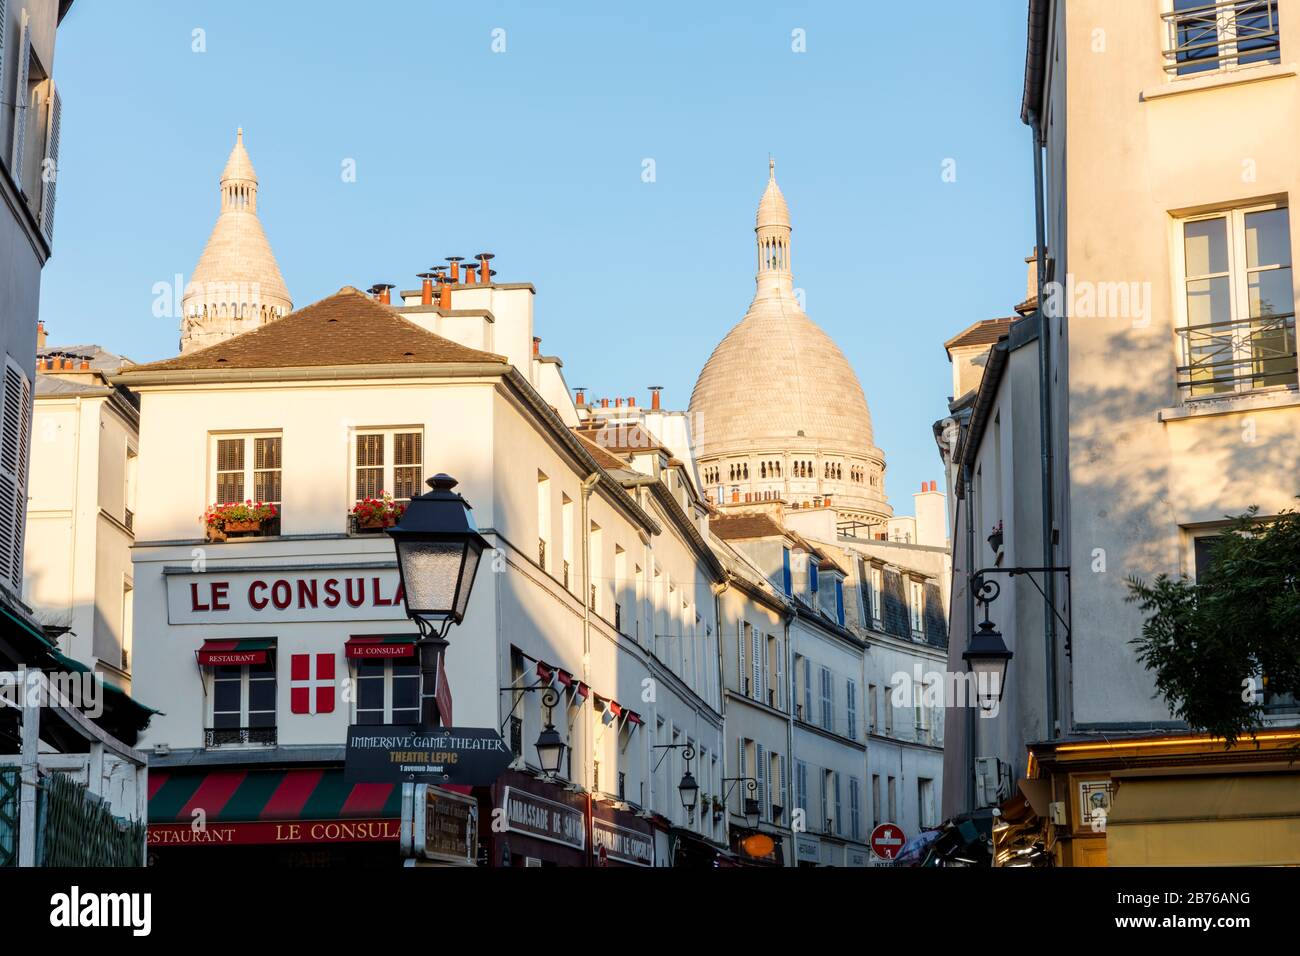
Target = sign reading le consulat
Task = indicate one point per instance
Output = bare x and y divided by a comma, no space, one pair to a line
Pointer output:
466,756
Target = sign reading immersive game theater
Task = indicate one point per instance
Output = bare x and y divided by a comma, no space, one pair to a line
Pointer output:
275,595
465,756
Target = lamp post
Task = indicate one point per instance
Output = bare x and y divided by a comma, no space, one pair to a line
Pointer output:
550,745
688,789
987,654
438,551
753,812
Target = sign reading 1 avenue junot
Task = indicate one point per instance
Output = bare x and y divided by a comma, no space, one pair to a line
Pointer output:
465,756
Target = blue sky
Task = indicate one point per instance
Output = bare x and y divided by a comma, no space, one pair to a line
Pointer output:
536,154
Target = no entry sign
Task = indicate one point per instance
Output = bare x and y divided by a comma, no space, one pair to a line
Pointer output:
886,840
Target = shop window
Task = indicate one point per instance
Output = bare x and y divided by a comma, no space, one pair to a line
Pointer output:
387,691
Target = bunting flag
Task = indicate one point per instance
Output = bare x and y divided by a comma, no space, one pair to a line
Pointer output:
545,674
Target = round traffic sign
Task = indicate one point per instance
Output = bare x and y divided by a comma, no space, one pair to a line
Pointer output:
886,840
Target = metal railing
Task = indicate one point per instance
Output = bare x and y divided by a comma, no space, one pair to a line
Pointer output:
1236,356
1219,36
229,736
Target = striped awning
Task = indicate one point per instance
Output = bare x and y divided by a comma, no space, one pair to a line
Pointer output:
240,795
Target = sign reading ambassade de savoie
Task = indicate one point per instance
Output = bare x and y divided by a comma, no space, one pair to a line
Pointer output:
284,595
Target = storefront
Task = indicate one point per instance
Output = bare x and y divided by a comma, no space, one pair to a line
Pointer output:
807,851
620,838
757,848
542,824
276,817
1157,800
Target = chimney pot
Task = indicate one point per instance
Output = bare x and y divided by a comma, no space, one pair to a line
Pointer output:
581,398
40,334
85,365
654,396
485,274
426,288
455,267
631,401
604,403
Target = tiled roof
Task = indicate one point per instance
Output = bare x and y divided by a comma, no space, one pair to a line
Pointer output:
347,328
603,458
731,527
984,332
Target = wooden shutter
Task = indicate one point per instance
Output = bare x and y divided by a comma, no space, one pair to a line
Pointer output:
760,757
785,787
230,471
740,761
407,461
50,170
839,819
20,105
807,690
852,704
756,662
266,470
15,437
780,675
740,650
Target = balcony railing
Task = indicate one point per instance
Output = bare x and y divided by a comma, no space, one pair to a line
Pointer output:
1221,36
1238,356
232,736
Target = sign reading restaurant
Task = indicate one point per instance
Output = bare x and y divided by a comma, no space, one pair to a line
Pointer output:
278,595
622,844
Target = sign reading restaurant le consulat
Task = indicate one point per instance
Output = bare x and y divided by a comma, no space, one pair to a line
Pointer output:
279,595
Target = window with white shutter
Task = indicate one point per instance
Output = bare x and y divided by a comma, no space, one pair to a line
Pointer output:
801,786
760,767
15,440
780,675
20,102
50,169
784,785
388,461
756,646
839,817
852,704
742,637
740,760
247,468
807,690
855,808
828,700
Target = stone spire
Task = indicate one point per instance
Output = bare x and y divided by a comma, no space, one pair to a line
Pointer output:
236,286
772,229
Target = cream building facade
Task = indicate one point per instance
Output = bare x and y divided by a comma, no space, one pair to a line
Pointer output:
1171,404
77,575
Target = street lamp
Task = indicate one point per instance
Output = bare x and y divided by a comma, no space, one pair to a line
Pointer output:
550,745
987,654
753,810
438,551
690,791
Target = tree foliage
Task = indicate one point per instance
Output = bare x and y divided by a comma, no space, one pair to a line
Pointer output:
1209,641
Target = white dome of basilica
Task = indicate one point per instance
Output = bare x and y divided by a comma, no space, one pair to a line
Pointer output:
777,411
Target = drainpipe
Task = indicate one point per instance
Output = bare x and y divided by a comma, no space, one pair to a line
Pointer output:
971,723
789,738
718,590
587,767
1045,429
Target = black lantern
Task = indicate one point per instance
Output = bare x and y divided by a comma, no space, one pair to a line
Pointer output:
550,750
987,656
438,551
690,791
752,812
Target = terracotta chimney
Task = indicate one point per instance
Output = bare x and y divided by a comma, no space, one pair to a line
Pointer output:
604,403
444,293
934,486
484,273
537,346
618,403
455,267
426,288
654,396
581,398
631,401
40,335
469,276
85,365
380,291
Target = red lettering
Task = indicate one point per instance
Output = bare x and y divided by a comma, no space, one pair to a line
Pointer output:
281,594
400,596
332,596
361,591
306,592
255,602
380,601
220,591
194,599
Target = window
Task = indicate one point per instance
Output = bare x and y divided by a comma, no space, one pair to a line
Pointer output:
743,640
242,705
388,461
247,468
566,531
1203,36
128,613
388,691
889,716
925,802
1238,306
801,786
893,800
855,808
543,518
875,800
871,708
877,590
852,701
128,491
828,699
839,817
36,116
787,581
828,784
917,605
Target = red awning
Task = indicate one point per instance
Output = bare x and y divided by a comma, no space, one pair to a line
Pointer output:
235,652
380,647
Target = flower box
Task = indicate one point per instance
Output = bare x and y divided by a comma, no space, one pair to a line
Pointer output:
375,514
221,521
995,537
